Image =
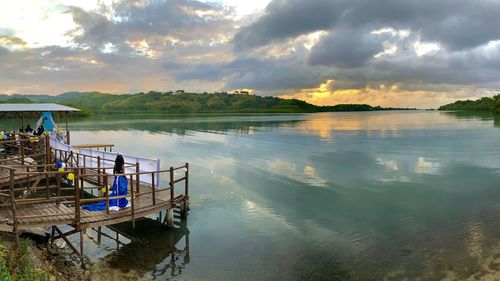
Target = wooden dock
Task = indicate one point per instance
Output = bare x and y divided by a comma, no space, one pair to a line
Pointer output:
34,193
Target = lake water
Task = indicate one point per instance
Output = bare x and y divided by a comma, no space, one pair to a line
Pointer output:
328,196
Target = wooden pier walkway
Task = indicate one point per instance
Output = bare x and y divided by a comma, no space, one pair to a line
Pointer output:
35,193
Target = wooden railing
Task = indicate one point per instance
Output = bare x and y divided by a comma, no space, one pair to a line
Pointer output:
53,191
40,194
22,146
98,147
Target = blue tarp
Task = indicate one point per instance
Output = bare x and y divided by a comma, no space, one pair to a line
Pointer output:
119,188
47,121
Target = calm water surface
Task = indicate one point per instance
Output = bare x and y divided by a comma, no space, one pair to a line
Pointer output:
330,196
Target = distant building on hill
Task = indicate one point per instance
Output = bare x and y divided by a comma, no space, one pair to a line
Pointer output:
241,92
180,92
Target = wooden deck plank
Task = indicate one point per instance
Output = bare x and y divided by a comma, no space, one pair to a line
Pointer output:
63,213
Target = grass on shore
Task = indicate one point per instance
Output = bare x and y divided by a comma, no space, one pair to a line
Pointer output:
17,265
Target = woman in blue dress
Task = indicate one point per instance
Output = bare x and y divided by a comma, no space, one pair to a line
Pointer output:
119,188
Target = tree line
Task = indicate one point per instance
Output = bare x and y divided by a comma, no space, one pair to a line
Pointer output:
482,104
184,103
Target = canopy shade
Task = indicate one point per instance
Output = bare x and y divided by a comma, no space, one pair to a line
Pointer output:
35,107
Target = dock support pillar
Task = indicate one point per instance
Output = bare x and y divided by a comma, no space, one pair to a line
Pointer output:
52,233
81,242
99,232
184,209
82,257
170,218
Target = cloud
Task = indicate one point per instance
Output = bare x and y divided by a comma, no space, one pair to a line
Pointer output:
266,74
12,42
346,49
457,24
443,46
159,23
284,19
389,95
119,48
374,51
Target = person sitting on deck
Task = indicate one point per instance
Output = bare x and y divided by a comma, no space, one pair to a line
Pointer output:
40,130
28,129
3,137
119,189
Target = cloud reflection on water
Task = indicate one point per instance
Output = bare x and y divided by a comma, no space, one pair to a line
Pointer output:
413,191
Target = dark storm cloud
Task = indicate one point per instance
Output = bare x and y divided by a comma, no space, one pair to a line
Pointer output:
457,24
268,74
350,52
285,19
346,49
477,67
352,66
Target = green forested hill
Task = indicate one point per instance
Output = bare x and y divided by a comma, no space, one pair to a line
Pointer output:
482,104
174,103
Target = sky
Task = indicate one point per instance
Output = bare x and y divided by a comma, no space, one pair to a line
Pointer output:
404,53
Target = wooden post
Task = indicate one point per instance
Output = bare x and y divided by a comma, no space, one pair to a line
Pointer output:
22,121
105,183
172,186
47,191
28,177
117,238
132,198
103,172
67,130
13,207
21,141
98,169
84,171
47,150
52,232
99,234
58,179
185,203
81,246
153,191
78,165
186,182
77,199
137,185
170,217
106,187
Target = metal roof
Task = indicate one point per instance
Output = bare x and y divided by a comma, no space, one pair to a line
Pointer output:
34,107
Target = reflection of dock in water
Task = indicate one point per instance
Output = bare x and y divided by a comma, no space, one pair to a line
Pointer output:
146,248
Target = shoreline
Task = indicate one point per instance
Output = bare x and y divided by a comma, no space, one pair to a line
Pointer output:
51,262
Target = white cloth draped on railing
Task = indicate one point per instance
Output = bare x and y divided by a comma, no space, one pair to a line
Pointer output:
107,159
